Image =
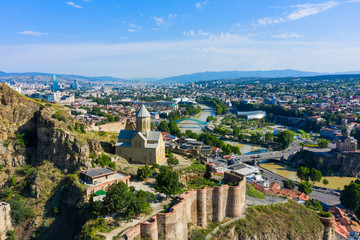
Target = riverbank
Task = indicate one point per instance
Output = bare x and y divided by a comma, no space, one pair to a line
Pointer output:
288,172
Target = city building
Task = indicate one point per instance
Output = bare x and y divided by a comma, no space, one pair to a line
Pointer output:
76,85
98,181
55,85
138,144
330,133
345,142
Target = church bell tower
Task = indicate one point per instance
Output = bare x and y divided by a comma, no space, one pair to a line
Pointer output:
143,120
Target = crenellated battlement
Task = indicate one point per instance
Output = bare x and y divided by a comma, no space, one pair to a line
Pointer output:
199,207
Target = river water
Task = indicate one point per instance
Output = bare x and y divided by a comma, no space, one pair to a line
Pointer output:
202,116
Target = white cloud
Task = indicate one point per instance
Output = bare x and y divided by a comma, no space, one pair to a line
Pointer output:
189,33
172,16
304,10
301,11
73,5
287,35
222,52
200,5
32,33
201,33
134,28
159,20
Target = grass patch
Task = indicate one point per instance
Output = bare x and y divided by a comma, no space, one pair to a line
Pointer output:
252,192
200,182
288,220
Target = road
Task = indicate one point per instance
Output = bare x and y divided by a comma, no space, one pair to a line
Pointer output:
293,148
322,194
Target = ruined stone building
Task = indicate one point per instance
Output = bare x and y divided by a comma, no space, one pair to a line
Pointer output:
138,144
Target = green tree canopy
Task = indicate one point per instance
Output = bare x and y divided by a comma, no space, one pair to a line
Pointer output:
289,184
350,196
284,139
144,172
167,181
323,143
315,175
325,182
163,127
303,173
305,187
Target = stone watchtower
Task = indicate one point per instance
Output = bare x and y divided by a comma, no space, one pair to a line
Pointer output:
5,219
143,120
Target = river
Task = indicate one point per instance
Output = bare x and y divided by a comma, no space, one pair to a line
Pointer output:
290,173
202,116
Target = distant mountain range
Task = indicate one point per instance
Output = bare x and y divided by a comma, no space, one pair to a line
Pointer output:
202,76
67,77
188,78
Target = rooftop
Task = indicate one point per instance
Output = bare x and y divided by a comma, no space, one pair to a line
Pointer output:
97,172
143,112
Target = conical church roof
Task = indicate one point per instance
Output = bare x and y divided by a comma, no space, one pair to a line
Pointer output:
143,112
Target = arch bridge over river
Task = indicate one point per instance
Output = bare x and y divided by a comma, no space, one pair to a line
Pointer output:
201,123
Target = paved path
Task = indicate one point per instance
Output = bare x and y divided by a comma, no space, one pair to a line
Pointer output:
157,207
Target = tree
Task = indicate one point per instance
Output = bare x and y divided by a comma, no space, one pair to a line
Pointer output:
241,137
303,173
256,137
144,172
167,182
323,143
350,196
284,139
269,136
315,175
210,118
174,130
163,127
289,184
117,198
172,161
305,187
325,182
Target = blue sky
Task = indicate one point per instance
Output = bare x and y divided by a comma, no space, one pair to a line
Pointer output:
135,39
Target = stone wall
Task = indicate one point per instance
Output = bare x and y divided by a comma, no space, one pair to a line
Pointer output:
5,220
199,207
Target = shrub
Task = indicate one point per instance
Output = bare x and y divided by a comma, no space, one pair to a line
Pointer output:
59,115
19,210
11,235
325,214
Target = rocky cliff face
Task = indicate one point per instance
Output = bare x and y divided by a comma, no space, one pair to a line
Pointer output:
32,132
331,163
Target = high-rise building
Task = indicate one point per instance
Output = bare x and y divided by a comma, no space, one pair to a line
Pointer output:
55,84
76,85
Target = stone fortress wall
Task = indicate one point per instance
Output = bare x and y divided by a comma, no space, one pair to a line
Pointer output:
5,220
200,207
